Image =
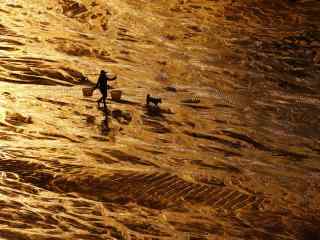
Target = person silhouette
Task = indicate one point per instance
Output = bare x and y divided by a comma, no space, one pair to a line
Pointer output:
102,84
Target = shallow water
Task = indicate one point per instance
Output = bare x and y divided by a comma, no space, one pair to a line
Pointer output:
243,163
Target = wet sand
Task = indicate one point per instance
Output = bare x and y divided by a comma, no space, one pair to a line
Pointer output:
234,153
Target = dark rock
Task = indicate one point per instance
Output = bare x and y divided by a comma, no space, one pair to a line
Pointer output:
122,116
127,116
17,119
171,88
116,113
90,119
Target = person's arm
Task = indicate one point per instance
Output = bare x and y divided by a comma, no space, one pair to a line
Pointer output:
98,83
114,78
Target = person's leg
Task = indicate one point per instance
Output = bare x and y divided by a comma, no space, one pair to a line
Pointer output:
104,101
99,101
148,100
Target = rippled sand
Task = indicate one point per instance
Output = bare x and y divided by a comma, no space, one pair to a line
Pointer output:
243,163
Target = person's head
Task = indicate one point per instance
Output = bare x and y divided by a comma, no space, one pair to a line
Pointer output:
103,72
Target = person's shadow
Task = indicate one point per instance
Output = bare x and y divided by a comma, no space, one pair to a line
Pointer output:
105,127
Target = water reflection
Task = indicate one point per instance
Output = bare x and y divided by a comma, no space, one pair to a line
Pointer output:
230,153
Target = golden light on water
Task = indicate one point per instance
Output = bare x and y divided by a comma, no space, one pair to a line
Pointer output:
232,154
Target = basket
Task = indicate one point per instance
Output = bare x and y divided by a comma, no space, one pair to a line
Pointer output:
87,92
116,95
